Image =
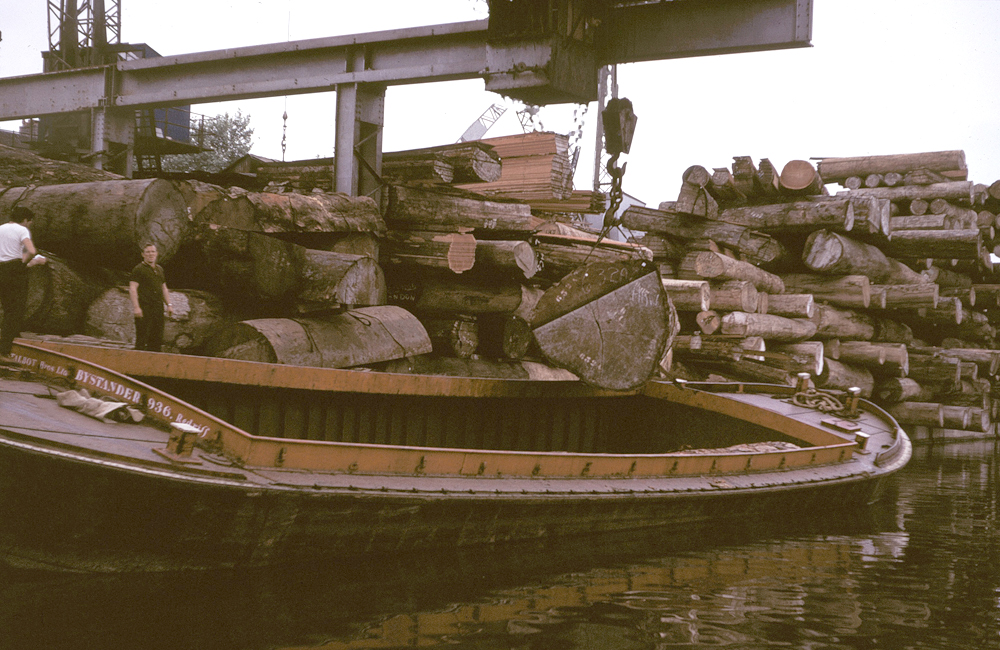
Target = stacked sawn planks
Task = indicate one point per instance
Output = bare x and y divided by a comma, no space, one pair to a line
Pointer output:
887,285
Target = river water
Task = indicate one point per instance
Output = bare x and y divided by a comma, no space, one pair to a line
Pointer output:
921,569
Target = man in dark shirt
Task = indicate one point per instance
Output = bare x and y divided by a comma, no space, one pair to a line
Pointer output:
147,289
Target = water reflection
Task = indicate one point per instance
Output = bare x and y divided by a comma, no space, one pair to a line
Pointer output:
918,570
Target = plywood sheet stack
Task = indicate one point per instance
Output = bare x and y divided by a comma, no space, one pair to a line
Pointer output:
887,284
536,166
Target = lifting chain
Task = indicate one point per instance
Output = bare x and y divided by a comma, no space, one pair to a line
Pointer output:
615,196
820,400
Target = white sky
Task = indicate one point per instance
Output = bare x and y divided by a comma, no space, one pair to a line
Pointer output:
882,77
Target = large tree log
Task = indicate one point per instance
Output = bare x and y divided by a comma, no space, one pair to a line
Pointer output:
197,316
987,360
952,244
897,389
610,324
105,223
882,359
337,280
928,414
451,251
451,294
471,162
800,216
715,266
844,324
770,328
58,296
792,305
833,254
756,246
909,296
799,177
808,356
941,371
852,291
561,254
353,338
837,169
722,186
957,191
422,209
456,337
290,212
688,295
734,296
843,376
516,257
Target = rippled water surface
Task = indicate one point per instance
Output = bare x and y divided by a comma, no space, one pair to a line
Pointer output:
919,570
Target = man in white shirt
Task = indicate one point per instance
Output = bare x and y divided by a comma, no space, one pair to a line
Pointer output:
16,253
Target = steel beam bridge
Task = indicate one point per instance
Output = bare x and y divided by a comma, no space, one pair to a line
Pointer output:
539,69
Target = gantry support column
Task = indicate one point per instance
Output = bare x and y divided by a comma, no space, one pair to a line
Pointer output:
112,139
358,161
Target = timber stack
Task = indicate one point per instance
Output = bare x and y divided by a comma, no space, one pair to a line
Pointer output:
441,280
886,284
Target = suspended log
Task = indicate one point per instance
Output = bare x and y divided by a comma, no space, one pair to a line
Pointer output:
791,305
957,191
896,389
770,328
799,177
455,252
105,223
928,414
954,244
843,324
421,209
688,295
197,315
353,338
455,337
909,296
800,216
842,376
715,266
610,324
843,291
950,162
517,257
832,253
756,246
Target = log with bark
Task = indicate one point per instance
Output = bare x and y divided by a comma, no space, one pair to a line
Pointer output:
722,186
105,223
470,162
756,246
799,177
197,316
953,244
452,251
987,360
843,324
909,296
290,212
504,336
423,209
834,254
842,376
928,414
353,338
799,216
560,254
851,291
688,295
610,324
452,294
897,389
950,163
455,337
58,296
957,191
792,305
770,328
715,266
516,257
807,356
734,296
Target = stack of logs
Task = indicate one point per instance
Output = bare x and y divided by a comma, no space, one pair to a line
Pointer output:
445,282
887,285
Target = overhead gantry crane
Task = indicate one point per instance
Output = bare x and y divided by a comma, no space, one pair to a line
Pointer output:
537,51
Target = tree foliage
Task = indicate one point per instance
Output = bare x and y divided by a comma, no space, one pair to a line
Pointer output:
227,136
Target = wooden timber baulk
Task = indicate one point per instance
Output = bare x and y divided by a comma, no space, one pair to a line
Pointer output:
356,464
